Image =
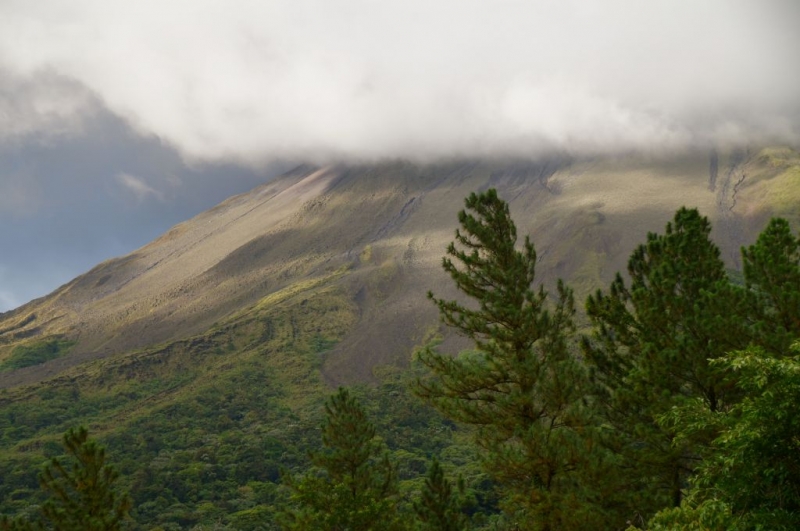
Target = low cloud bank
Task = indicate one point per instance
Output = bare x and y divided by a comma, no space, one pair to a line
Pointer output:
321,79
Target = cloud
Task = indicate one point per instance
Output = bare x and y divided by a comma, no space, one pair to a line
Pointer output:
138,187
43,105
254,80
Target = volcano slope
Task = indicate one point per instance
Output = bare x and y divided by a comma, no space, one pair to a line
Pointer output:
378,233
238,320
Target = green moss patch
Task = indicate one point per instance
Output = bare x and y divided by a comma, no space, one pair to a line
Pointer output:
36,353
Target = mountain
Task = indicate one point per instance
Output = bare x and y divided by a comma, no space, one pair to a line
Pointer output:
202,360
376,234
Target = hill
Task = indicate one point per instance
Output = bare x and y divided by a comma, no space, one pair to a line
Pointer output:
220,338
387,225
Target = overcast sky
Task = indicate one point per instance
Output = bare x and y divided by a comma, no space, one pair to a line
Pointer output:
119,119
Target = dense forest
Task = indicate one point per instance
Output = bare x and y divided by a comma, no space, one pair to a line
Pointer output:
668,404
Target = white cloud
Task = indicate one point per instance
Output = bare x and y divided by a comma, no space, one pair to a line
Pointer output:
138,187
356,78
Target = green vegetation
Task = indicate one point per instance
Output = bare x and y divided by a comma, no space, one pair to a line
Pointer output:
677,413
81,494
36,353
200,431
439,507
750,477
353,485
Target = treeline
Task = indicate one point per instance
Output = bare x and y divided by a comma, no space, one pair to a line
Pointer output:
677,411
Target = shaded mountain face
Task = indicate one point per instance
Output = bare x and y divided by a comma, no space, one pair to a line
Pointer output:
375,234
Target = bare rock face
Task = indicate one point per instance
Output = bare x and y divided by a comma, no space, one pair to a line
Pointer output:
377,233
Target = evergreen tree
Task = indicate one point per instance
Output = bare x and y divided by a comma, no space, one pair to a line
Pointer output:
521,386
651,350
439,507
353,485
772,276
82,496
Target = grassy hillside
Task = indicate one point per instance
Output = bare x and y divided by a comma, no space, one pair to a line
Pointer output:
202,359
201,428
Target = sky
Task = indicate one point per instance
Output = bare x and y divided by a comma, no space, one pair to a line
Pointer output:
120,119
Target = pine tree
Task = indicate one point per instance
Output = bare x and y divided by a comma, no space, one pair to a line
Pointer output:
651,350
82,495
353,485
439,507
521,386
772,276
